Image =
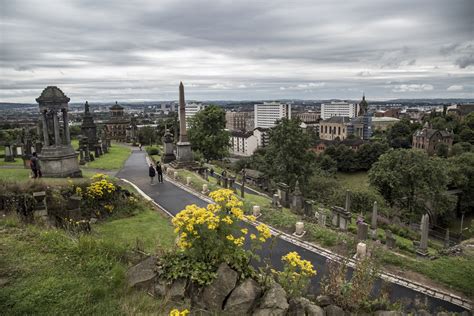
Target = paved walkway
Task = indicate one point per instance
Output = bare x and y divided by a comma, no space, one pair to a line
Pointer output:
174,198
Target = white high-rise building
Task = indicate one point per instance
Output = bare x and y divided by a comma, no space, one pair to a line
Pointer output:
267,113
191,109
339,108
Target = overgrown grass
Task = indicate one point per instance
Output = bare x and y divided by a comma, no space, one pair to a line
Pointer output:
18,162
455,272
15,174
113,160
50,273
353,181
22,175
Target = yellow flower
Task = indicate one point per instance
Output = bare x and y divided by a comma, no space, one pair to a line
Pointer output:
253,236
244,231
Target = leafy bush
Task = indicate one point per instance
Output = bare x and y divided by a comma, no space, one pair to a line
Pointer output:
296,274
152,150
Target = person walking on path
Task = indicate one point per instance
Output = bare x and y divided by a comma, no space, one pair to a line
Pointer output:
140,146
160,173
35,166
151,173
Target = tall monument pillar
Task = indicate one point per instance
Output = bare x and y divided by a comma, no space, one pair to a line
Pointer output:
184,155
57,158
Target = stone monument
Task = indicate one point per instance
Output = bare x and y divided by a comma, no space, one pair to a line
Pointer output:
88,128
424,226
373,224
57,159
297,199
184,155
168,155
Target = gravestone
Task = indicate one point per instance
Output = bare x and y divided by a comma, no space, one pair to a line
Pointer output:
275,200
361,250
81,157
340,217
73,210
242,187
218,178
348,201
256,211
362,231
168,154
446,239
8,154
424,226
390,241
299,229
373,226
284,194
41,208
225,182
297,200
231,183
308,208
205,190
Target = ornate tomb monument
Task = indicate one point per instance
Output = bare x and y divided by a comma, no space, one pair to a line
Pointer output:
57,159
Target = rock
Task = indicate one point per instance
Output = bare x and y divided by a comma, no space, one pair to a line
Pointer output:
160,289
273,302
242,298
314,310
177,289
323,300
333,310
212,296
388,313
143,274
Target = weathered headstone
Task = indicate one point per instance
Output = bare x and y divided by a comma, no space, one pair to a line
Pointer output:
361,250
256,211
348,201
275,200
297,200
225,183
362,231
283,194
41,208
390,241
205,190
299,229
340,218
8,154
168,154
308,208
81,157
373,225
423,248
446,239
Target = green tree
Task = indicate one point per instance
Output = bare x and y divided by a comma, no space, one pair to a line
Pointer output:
368,154
442,150
287,156
207,133
412,181
467,135
462,174
400,134
147,135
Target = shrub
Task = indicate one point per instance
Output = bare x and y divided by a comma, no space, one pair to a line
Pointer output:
152,150
212,235
296,274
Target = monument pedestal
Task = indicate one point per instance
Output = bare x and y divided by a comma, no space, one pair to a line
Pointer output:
184,157
59,162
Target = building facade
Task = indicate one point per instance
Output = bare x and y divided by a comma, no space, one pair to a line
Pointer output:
339,108
116,127
268,113
239,121
191,109
243,143
334,128
428,139
308,117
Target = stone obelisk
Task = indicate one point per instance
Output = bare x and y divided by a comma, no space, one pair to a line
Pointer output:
184,155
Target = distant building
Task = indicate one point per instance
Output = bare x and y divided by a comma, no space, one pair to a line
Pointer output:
239,121
461,110
191,109
268,113
339,108
413,114
427,139
308,117
243,143
388,113
381,124
116,127
321,145
334,128
361,127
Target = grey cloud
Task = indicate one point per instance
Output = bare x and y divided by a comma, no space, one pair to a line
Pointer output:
465,61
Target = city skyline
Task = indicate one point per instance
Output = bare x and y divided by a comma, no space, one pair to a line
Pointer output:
141,50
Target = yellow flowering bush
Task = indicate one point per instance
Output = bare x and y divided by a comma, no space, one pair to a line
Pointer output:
176,312
296,274
100,188
214,234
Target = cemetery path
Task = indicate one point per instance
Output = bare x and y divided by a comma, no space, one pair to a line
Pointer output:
173,199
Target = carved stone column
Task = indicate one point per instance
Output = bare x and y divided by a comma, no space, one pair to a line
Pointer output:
67,134
57,138
44,121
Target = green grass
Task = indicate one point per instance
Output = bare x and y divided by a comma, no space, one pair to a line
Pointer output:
454,272
353,181
24,175
149,227
50,273
18,162
113,160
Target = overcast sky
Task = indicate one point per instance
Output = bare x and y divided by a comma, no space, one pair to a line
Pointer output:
105,50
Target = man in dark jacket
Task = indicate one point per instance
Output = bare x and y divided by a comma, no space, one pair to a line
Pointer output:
160,173
151,173
35,166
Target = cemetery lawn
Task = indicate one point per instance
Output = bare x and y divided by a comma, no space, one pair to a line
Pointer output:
113,160
18,162
21,174
49,272
353,181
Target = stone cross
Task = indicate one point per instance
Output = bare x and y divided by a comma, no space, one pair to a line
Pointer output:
423,248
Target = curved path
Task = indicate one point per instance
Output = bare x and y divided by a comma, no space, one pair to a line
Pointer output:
173,199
